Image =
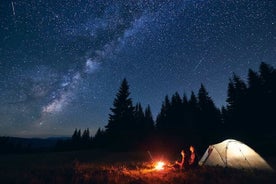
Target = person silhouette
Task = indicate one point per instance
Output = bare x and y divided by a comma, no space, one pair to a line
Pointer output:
180,164
193,158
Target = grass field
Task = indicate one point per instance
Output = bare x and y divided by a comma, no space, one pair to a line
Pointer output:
97,167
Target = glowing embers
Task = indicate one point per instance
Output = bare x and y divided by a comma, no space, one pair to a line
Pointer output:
159,166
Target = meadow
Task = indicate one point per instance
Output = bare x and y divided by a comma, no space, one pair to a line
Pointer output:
97,167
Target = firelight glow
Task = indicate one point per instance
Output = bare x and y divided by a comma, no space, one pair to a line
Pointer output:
159,165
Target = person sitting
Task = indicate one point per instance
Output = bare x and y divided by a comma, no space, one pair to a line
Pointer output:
180,164
193,158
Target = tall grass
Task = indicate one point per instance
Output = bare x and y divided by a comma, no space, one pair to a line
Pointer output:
89,167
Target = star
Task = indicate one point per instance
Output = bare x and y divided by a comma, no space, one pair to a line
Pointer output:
64,62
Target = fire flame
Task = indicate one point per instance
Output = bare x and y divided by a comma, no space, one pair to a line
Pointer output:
159,165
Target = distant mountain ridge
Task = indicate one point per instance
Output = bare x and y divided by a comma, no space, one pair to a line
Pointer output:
18,144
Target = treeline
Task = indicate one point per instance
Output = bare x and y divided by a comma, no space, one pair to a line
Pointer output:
249,116
128,127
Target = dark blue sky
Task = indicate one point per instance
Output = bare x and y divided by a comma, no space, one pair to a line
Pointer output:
62,62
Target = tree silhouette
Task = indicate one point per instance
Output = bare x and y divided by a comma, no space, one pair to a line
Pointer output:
149,122
209,117
138,124
121,120
138,114
254,81
268,97
85,136
193,131
76,137
162,121
177,125
99,140
250,112
143,126
236,121
249,116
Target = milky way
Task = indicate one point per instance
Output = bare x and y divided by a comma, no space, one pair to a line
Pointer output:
62,62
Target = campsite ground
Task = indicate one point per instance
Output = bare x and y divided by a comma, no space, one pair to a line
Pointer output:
117,168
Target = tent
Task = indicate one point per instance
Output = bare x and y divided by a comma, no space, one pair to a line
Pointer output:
235,154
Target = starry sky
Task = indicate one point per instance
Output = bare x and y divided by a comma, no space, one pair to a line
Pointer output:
62,62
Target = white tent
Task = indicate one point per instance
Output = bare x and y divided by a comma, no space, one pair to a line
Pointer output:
235,154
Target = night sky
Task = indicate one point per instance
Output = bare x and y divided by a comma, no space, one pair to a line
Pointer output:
62,62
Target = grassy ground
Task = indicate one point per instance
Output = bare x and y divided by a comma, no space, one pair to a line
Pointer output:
115,168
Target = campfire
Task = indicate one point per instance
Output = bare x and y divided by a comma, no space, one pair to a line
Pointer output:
159,165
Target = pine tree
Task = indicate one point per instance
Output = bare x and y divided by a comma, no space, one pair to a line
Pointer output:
237,96
138,113
240,87
149,123
99,134
86,135
253,102
162,120
204,100
185,99
237,90
266,72
120,123
99,140
254,81
247,107
138,123
79,135
268,96
74,136
209,117
193,112
176,118
193,129
231,96
193,100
